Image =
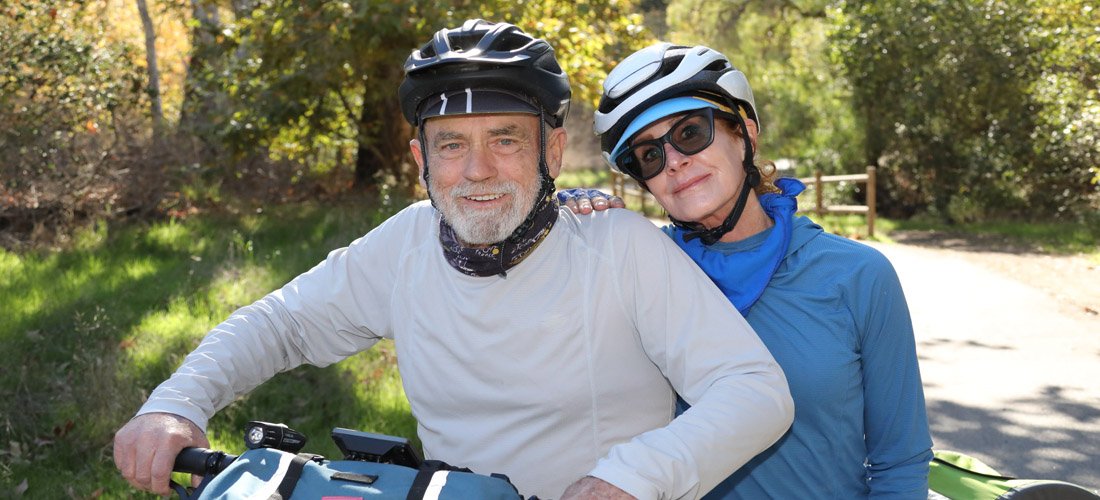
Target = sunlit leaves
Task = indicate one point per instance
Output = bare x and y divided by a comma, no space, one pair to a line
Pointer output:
62,92
989,105
783,49
327,72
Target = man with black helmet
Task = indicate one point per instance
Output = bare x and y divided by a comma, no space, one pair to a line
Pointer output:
507,369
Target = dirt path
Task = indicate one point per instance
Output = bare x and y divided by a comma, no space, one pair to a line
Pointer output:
1009,342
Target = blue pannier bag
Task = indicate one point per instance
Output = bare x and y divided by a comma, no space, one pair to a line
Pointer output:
266,473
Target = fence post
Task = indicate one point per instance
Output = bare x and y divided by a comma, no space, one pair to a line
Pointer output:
870,201
819,193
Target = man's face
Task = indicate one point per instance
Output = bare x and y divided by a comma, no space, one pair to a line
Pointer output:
483,171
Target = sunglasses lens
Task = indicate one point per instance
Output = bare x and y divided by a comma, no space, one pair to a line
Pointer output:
650,158
690,135
693,134
629,165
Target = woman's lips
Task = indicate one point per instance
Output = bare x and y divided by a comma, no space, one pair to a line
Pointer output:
691,183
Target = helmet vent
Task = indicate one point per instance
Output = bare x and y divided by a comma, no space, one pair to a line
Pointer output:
718,65
465,40
511,41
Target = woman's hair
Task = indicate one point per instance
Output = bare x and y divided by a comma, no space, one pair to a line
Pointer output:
768,171
768,174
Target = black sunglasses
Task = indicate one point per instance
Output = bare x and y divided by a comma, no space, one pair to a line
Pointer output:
689,135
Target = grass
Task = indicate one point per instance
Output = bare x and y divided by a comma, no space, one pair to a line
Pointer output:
86,333
853,226
582,177
1081,237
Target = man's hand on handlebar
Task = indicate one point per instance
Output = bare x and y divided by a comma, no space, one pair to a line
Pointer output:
584,201
146,447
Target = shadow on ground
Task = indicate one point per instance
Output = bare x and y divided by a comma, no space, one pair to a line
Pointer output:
967,242
1024,450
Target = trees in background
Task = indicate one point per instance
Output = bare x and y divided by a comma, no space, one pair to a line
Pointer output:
976,109
971,109
313,82
782,46
73,107
271,92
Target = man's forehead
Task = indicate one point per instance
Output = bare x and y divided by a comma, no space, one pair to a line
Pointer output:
492,123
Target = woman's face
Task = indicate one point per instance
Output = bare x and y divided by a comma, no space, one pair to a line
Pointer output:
702,187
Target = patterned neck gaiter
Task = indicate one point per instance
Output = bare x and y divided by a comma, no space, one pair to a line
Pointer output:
498,258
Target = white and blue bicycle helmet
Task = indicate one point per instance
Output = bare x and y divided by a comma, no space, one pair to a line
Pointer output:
652,83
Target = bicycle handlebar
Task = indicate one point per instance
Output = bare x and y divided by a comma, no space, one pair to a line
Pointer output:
202,461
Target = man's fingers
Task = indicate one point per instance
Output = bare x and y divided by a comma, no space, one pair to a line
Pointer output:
161,471
146,448
142,470
616,202
125,461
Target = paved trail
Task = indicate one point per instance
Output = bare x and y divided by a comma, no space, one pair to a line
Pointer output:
1010,377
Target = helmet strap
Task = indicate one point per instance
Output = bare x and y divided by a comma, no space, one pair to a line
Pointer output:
424,160
546,184
752,179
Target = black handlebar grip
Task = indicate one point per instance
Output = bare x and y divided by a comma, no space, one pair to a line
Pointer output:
202,461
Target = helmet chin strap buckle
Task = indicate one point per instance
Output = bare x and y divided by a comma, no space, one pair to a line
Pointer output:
711,236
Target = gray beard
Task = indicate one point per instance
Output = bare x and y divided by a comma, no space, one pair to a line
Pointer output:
485,227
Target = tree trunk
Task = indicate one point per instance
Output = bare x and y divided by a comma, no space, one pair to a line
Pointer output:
195,104
243,8
383,138
195,120
154,74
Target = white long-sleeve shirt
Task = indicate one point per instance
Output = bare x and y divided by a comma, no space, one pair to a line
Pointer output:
566,367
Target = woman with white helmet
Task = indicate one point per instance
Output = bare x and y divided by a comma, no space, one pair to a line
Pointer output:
682,122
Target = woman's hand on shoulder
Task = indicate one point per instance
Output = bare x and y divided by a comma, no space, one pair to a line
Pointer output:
585,201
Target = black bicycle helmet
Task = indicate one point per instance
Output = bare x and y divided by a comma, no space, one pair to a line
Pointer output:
483,56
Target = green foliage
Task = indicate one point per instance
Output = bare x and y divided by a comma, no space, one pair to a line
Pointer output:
315,81
584,178
88,332
588,37
782,47
69,104
972,110
976,108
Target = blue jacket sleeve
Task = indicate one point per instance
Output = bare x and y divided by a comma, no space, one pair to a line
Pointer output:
899,446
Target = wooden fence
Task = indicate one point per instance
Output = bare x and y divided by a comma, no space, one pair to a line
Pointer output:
622,186
817,183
